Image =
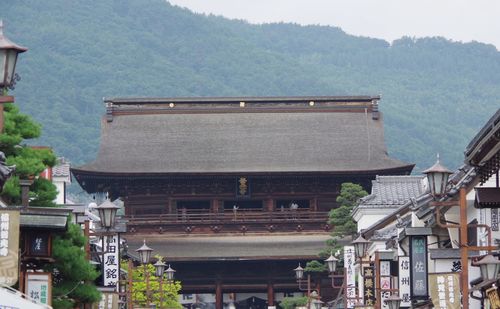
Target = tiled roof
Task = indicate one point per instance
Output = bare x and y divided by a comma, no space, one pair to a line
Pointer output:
393,191
61,169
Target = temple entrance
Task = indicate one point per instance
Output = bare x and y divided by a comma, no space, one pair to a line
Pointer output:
256,205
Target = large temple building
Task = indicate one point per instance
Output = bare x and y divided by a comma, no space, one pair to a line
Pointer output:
235,192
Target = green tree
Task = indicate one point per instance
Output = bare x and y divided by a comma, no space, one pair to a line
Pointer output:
293,302
139,288
341,217
29,161
72,273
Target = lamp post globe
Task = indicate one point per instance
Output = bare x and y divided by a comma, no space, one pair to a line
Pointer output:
8,58
144,253
299,272
332,263
360,246
107,214
437,176
159,268
170,273
393,302
489,266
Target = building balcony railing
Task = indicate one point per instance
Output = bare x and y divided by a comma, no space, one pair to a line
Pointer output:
245,220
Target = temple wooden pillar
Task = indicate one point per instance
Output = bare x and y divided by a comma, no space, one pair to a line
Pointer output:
269,204
270,294
170,206
313,204
218,296
215,206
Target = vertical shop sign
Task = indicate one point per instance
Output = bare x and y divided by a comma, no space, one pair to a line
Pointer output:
369,285
9,246
404,281
111,260
445,290
418,270
349,260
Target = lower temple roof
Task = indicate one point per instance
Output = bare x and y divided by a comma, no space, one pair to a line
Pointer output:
245,247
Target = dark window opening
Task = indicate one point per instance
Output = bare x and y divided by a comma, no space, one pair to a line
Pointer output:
247,205
288,204
192,205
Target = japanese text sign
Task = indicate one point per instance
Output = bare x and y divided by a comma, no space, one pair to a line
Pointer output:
404,281
38,287
349,261
9,246
111,260
418,270
445,290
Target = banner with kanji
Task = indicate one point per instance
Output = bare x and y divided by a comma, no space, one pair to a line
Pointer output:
111,261
9,246
349,261
445,290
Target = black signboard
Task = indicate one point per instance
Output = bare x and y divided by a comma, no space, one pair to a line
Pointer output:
418,270
369,285
39,244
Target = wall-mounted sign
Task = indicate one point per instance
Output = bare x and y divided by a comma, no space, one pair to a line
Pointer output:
404,281
445,290
494,219
349,260
369,285
9,246
492,294
39,245
111,260
39,287
242,187
418,270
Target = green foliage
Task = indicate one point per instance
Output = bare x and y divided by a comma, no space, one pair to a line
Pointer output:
29,161
426,84
315,267
139,288
341,217
72,272
293,302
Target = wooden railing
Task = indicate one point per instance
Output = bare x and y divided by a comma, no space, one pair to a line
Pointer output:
240,216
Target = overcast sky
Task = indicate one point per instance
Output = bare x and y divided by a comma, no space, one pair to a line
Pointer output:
460,20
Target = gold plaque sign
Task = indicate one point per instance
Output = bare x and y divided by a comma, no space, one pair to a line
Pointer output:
9,246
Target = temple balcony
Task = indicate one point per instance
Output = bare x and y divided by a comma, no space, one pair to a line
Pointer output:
240,221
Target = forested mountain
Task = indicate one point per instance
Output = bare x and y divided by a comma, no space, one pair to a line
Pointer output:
436,93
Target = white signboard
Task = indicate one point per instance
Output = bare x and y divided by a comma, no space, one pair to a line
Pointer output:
111,261
349,261
38,287
404,280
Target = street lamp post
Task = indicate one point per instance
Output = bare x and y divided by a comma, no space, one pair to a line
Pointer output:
145,255
8,58
489,267
437,176
299,275
393,301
